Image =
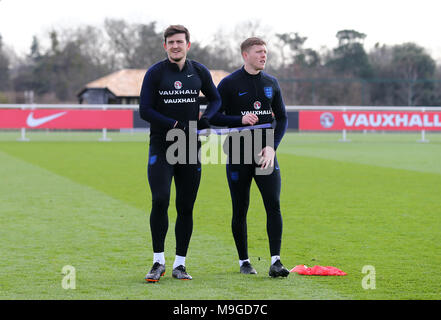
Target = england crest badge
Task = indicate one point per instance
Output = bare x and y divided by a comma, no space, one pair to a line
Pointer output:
268,92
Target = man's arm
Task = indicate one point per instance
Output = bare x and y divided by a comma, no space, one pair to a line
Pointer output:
220,118
147,102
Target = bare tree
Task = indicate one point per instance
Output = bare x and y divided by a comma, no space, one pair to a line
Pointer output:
134,45
4,68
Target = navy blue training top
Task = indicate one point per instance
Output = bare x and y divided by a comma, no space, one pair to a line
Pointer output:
169,94
260,94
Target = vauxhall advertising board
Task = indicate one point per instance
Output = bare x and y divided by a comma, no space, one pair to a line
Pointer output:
302,120
369,120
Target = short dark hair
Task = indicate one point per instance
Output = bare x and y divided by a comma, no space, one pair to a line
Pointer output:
248,43
175,29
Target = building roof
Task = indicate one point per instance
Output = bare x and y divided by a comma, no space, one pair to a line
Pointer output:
128,82
123,83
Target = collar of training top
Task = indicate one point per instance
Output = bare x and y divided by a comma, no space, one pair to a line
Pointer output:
255,76
175,67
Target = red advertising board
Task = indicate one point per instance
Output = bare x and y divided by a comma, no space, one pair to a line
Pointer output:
369,120
65,119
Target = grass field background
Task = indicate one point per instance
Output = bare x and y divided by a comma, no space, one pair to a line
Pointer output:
372,201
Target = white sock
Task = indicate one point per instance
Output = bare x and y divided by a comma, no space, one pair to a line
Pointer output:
274,259
242,261
158,257
179,261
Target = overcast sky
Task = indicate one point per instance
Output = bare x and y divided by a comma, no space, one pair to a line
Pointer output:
383,21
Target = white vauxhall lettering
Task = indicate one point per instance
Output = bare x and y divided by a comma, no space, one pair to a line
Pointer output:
349,122
401,120
377,122
385,120
415,120
260,112
426,121
388,120
190,100
362,121
176,92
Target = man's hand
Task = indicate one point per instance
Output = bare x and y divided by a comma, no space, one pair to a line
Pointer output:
250,119
180,125
267,157
203,123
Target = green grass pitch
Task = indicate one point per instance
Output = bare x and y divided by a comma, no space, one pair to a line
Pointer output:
374,201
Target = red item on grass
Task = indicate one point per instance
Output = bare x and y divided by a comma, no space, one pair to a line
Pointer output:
318,271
